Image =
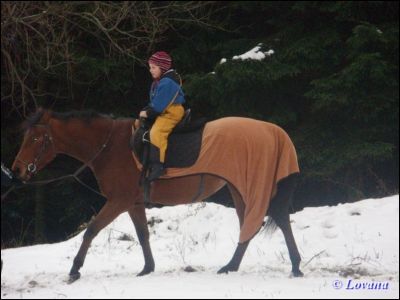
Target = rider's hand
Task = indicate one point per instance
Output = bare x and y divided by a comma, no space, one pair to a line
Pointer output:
143,114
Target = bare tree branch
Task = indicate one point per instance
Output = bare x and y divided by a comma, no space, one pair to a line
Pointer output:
43,39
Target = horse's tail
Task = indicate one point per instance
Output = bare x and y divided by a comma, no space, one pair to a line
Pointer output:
269,226
281,203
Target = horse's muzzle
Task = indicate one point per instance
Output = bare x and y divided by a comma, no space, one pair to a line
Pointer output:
23,173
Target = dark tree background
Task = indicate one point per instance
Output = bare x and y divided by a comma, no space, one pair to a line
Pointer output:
332,84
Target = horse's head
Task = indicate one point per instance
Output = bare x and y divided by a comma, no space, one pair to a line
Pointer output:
37,149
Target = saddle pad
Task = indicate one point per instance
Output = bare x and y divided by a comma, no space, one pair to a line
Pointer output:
253,156
183,149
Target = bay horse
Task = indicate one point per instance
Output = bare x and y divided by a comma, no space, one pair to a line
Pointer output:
101,142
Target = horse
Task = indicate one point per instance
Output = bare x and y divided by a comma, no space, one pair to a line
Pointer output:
102,143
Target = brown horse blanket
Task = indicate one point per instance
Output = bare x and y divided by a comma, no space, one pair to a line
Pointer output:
252,155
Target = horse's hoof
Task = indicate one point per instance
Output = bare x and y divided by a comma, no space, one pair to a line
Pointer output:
145,271
74,277
297,273
226,270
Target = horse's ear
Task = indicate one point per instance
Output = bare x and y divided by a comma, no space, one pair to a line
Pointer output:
45,114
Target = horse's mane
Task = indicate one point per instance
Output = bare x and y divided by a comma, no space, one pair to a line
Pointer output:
85,116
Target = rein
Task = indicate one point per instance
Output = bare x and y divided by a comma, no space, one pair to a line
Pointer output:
73,175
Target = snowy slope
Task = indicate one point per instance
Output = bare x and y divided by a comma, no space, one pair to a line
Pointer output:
352,246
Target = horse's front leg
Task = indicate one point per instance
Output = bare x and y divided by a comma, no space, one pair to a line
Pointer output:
106,215
138,216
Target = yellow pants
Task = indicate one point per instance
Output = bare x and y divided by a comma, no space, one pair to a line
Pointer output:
164,125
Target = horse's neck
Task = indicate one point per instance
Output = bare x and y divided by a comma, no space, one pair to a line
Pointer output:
79,139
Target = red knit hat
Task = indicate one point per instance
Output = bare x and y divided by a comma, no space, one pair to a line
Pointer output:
161,59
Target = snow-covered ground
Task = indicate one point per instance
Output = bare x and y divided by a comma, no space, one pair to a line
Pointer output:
348,251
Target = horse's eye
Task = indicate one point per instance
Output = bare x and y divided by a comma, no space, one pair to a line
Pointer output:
35,139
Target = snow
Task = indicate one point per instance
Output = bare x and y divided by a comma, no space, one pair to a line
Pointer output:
353,244
253,54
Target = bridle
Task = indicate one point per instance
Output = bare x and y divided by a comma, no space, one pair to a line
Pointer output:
47,139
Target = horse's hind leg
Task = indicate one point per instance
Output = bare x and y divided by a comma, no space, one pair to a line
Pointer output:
138,216
234,264
279,211
106,215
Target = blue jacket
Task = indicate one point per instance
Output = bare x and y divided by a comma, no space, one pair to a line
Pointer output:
163,91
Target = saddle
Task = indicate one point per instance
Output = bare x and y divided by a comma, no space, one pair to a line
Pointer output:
184,142
183,149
